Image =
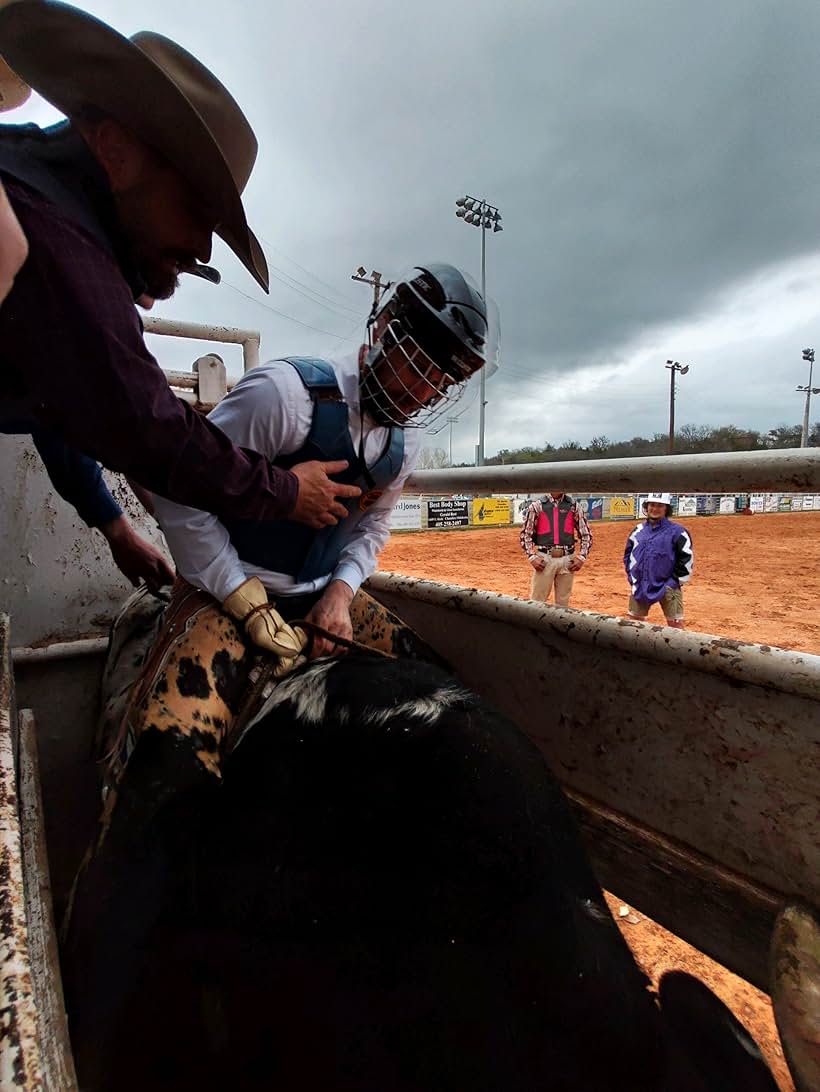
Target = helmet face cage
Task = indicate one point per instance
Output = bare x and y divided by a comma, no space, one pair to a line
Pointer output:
403,385
432,338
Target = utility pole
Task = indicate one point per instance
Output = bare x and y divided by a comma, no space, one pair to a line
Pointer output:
374,279
481,214
808,356
673,367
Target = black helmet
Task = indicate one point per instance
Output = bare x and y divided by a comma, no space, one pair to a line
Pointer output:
446,314
435,309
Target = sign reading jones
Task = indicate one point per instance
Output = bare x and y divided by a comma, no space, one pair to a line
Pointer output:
406,516
447,513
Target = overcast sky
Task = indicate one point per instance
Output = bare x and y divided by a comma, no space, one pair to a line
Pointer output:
657,166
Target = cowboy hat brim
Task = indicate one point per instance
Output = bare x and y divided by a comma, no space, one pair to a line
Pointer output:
75,61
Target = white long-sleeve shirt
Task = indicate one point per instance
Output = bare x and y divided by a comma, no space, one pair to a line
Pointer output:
270,411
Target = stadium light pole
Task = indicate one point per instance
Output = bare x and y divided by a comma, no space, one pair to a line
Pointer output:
808,356
674,367
481,214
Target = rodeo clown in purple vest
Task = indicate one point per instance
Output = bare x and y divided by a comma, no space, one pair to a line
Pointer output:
548,538
658,560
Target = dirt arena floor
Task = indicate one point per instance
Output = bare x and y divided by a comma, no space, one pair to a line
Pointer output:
756,578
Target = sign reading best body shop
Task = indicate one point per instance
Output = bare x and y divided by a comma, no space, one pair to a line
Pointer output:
406,516
447,513
491,511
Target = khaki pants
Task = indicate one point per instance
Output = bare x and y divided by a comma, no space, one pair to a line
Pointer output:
555,574
671,605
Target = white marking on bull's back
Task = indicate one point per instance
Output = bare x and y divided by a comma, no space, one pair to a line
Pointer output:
427,708
306,691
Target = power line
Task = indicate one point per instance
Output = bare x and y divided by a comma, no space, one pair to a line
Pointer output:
304,270
290,318
315,297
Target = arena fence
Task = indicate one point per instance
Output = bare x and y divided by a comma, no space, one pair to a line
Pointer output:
613,489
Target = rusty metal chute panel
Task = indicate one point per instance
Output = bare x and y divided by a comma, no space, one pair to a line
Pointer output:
57,579
702,743
34,1045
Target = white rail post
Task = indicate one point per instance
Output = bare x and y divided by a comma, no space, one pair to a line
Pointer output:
213,379
230,335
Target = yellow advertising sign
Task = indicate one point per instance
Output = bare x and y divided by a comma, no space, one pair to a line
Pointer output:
621,506
491,511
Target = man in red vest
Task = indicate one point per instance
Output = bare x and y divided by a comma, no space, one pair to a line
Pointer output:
556,539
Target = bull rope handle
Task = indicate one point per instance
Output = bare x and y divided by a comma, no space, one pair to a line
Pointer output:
313,630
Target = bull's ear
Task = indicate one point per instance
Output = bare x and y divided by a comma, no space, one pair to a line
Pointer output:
708,1048
795,990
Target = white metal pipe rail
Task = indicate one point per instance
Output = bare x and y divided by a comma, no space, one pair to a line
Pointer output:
248,339
793,470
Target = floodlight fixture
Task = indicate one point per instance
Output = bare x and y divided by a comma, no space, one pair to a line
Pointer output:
480,214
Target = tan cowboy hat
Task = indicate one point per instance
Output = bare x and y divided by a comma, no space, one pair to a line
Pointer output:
13,92
152,86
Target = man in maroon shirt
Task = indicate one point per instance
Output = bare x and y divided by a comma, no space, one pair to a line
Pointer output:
115,203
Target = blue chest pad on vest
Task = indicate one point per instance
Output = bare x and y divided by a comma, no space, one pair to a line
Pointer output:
288,547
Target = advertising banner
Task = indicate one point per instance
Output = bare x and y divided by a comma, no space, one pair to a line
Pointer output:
595,508
772,502
785,504
621,507
808,503
447,513
727,505
687,506
707,504
757,502
406,516
491,511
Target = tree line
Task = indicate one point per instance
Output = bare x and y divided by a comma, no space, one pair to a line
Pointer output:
689,440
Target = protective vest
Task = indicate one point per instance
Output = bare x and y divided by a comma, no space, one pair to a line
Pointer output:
555,525
284,546
57,164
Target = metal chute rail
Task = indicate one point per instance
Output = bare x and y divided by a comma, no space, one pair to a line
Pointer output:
791,470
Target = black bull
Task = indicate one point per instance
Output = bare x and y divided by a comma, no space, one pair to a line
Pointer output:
386,894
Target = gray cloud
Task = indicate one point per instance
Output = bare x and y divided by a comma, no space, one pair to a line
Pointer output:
647,157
